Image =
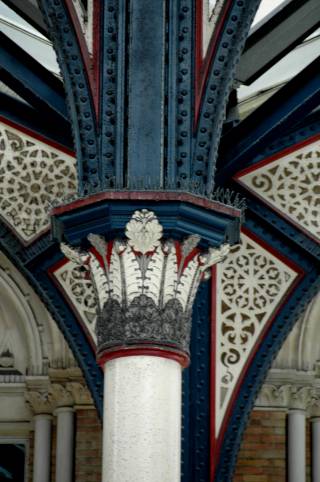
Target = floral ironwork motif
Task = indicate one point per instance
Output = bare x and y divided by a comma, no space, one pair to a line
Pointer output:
145,287
32,174
80,292
251,282
291,184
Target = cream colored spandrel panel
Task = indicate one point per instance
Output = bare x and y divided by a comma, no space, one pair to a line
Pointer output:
251,283
291,185
80,294
32,175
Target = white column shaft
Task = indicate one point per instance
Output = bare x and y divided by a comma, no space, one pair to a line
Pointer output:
64,448
42,448
142,420
296,446
315,427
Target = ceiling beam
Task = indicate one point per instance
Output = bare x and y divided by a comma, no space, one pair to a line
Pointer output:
30,80
292,22
29,11
284,109
25,116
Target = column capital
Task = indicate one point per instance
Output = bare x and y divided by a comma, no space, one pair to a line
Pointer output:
60,396
289,397
145,287
40,402
80,394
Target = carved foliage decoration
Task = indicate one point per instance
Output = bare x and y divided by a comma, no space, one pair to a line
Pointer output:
291,184
251,283
32,174
145,287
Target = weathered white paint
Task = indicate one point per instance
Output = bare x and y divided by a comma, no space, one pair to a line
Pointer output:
142,420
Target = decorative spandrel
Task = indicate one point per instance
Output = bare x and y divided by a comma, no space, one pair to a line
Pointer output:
251,283
32,175
80,294
145,286
290,184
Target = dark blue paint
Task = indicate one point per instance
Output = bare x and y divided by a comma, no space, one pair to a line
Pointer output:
196,394
178,219
145,90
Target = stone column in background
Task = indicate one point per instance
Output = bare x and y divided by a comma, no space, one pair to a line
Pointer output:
315,441
296,446
63,401
42,407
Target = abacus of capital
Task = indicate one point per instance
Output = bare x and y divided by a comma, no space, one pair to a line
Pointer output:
145,287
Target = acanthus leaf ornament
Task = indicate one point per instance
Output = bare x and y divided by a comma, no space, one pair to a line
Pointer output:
144,231
145,287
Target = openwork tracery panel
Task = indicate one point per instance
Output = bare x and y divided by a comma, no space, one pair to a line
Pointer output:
79,291
32,175
251,283
291,184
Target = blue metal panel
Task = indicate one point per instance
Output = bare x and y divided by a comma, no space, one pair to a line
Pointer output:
146,91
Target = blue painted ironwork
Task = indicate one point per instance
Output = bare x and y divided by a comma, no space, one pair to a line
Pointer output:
178,218
218,88
76,83
29,79
29,118
196,394
269,121
107,159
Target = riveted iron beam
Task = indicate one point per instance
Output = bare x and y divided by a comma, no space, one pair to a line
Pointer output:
291,22
27,117
273,118
30,80
29,11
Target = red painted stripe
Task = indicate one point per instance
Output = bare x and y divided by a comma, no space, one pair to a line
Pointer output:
91,62
143,350
148,196
285,152
202,65
278,155
37,136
